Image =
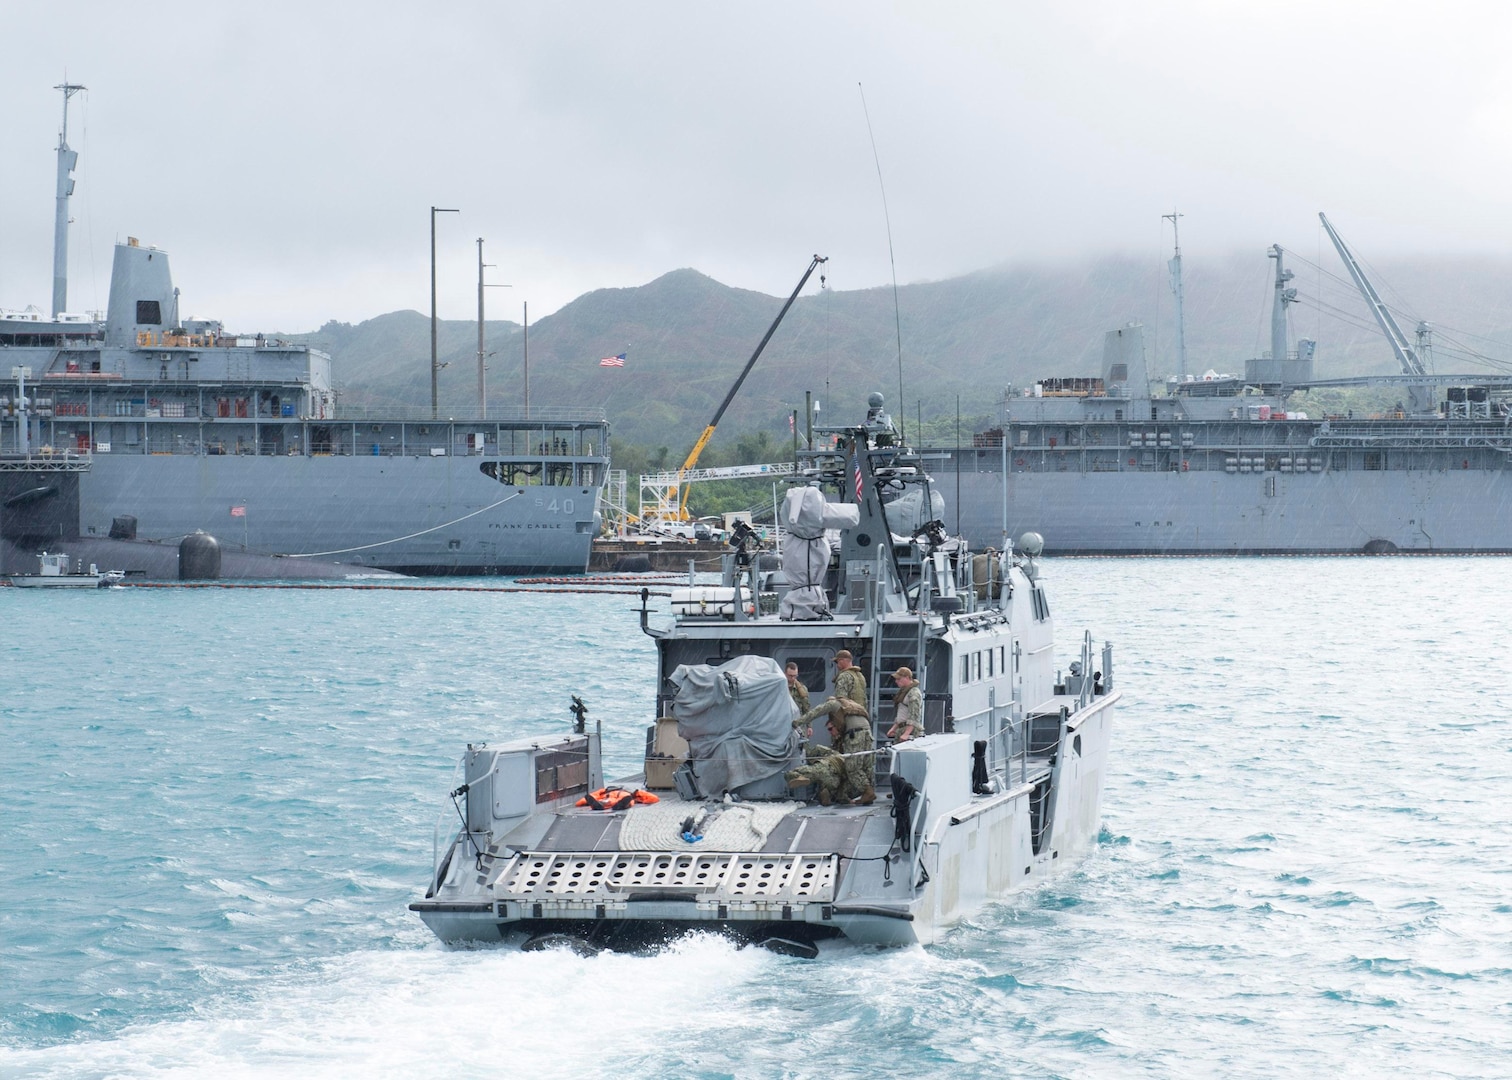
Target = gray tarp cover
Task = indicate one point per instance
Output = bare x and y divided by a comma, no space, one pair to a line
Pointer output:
806,551
907,513
738,720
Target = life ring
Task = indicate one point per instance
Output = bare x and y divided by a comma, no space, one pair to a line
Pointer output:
616,798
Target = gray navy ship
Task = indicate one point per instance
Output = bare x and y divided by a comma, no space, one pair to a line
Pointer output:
1002,789
1235,465
144,425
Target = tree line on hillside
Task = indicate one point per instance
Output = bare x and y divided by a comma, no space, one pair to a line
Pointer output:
686,337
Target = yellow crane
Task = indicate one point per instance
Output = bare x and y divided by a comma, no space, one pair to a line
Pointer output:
678,509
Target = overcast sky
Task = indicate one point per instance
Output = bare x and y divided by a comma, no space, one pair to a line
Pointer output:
286,154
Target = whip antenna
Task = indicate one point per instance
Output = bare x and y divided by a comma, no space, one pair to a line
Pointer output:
887,219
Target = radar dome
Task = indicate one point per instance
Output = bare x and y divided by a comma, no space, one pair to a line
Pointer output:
874,400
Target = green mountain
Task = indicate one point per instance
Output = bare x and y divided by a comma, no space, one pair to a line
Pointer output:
686,337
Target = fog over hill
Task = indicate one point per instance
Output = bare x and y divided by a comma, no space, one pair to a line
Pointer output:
686,337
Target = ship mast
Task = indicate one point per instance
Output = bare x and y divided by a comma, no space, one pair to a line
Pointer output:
483,356
1284,296
67,159
1175,267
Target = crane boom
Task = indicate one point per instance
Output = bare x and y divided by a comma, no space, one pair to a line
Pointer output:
708,432
1405,354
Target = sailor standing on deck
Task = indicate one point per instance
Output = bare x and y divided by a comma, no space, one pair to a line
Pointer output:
850,692
800,696
908,703
796,687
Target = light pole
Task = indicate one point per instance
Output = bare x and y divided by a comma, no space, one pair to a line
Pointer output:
435,366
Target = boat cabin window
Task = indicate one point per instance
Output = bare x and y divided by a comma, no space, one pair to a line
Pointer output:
1002,660
976,665
989,663
965,670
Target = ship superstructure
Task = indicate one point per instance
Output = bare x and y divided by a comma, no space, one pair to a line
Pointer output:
140,423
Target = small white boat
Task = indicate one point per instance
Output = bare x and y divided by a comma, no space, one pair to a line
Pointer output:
55,573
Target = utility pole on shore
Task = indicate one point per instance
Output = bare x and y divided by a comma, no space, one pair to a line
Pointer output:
435,364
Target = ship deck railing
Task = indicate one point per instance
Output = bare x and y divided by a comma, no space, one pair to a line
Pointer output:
115,409
44,459
516,416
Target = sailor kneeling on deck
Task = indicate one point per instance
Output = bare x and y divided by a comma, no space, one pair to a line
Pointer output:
843,774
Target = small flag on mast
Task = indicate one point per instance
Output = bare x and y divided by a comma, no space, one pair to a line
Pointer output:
613,361
856,471
238,511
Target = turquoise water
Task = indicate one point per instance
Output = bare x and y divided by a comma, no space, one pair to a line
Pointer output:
215,805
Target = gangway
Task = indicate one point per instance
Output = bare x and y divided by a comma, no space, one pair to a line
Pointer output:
665,488
614,502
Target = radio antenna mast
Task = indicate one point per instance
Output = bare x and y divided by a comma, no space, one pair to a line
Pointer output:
67,159
1175,266
887,219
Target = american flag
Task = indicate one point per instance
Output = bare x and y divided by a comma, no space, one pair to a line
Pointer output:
238,511
856,471
613,361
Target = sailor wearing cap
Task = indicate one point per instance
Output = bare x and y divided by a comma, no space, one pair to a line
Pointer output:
908,706
850,692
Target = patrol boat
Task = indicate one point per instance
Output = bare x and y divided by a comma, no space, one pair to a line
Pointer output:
1003,789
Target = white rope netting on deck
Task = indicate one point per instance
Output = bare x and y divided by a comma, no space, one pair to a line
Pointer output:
725,827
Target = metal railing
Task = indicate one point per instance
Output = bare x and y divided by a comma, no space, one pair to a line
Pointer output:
44,457
536,416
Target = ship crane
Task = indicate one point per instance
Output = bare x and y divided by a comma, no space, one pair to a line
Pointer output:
671,498
1419,397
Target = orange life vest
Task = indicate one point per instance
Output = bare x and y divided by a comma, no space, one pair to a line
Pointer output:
616,798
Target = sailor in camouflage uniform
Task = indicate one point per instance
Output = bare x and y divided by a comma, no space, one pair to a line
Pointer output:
846,776
797,690
843,775
850,692
908,703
